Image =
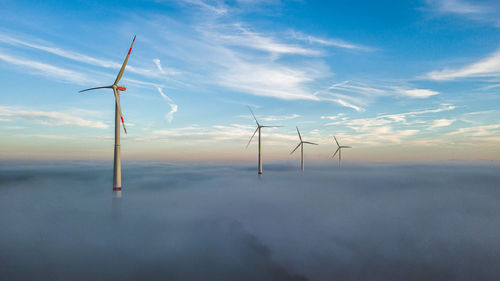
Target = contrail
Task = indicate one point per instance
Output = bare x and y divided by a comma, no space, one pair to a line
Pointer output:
170,115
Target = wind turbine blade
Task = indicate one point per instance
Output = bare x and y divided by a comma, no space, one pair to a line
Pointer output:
271,126
300,137
346,146
123,123
296,148
336,152
103,87
336,141
124,63
310,142
117,98
253,116
252,136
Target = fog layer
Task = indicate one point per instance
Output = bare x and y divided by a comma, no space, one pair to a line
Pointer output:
190,222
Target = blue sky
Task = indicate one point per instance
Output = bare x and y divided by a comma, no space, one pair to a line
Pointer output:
397,80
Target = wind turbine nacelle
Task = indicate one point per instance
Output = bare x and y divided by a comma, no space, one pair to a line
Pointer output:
121,88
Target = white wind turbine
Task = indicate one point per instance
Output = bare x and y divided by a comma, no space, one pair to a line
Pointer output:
117,170
259,126
339,149
301,144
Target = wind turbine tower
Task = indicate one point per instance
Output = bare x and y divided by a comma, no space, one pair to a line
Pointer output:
339,150
259,127
301,144
117,170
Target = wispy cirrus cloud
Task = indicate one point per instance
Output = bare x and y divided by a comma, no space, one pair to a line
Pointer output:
240,35
280,117
330,42
215,7
393,128
44,136
271,118
461,7
477,131
487,67
50,118
47,70
83,58
358,95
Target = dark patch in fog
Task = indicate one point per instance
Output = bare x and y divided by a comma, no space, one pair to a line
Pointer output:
192,222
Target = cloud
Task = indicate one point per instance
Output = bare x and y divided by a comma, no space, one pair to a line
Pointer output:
271,118
165,97
335,117
239,35
458,7
345,104
268,79
218,9
44,136
358,95
50,118
385,128
229,224
339,43
279,118
173,107
487,67
441,123
235,57
79,57
477,131
419,93
236,133
170,115
47,70
158,65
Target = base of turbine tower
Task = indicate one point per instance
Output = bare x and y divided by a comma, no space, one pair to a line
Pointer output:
117,192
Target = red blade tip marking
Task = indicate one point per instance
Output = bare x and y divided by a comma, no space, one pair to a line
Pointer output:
130,50
125,129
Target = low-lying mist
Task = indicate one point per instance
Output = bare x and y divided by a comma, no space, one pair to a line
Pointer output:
200,222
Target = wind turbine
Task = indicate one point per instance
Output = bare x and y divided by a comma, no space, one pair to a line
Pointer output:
259,126
339,149
117,170
301,144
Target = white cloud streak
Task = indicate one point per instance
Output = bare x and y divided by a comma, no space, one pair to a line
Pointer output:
373,131
339,43
79,57
234,133
50,118
477,131
419,93
218,10
487,67
458,7
173,107
244,37
441,123
47,70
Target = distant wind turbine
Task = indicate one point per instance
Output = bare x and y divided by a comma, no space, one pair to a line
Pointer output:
301,144
339,149
259,126
117,170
